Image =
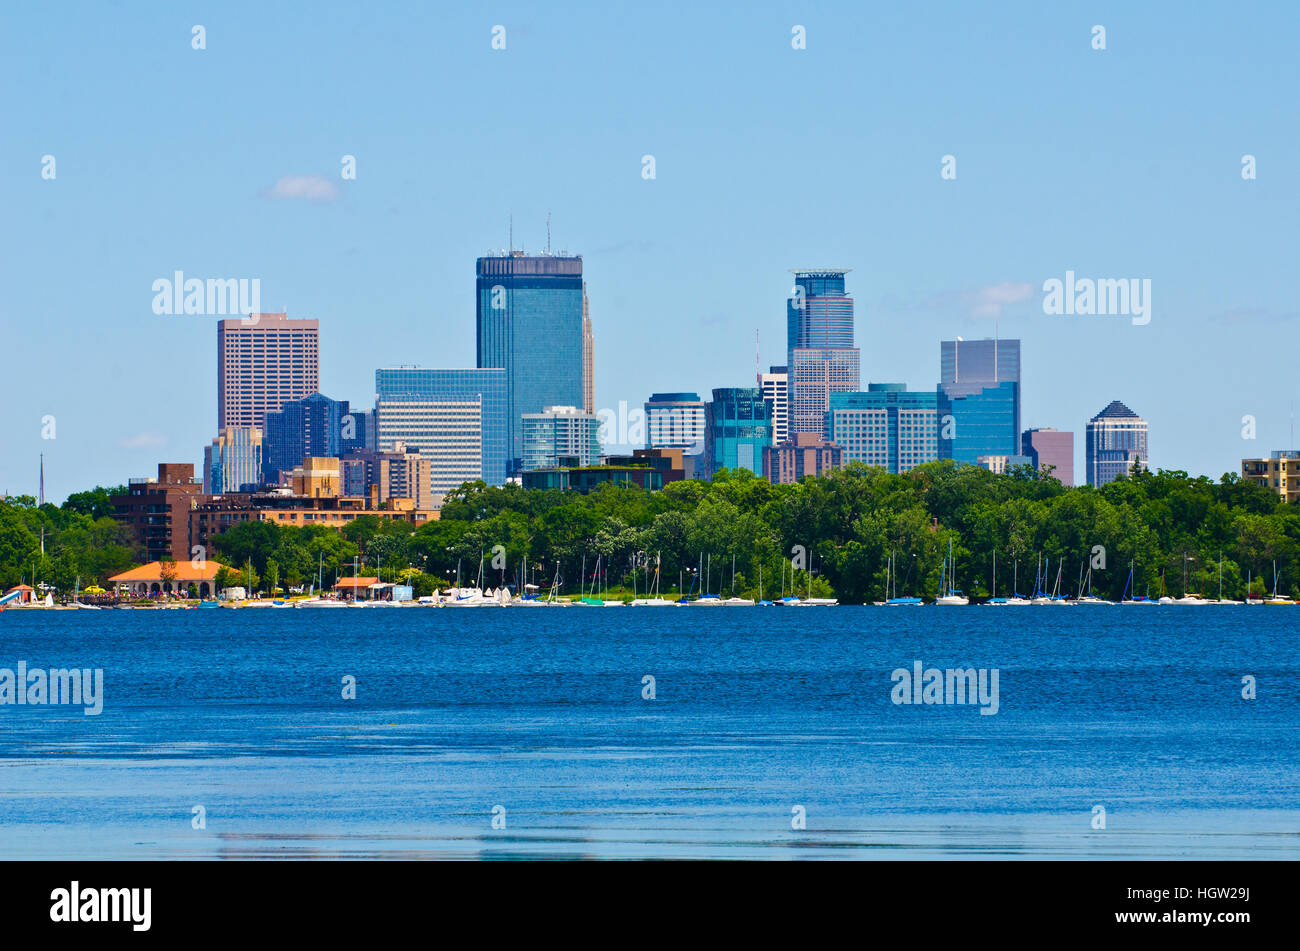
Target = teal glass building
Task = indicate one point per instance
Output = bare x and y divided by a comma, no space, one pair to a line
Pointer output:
737,425
529,324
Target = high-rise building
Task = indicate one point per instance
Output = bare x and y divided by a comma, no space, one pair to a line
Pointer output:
990,360
233,462
156,511
737,426
820,356
454,418
399,474
886,426
1116,439
560,431
588,356
807,454
1280,473
302,428
356,430
675,421
775,384
979,399
1049,447
530,324
263,362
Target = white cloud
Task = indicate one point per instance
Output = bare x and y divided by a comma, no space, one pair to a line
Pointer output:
308,187
990,299
143,441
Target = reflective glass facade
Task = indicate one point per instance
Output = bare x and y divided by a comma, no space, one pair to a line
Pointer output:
979,361
820,356
448,415
737,427
530,324
886,426
561,431
978,420
302,428
1116,438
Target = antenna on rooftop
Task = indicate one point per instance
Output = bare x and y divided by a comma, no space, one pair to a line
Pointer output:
512,232
758,372
548,232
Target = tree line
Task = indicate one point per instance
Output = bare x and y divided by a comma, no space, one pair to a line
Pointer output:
832,534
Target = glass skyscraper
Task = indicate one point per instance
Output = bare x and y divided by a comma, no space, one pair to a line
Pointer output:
820,356
302,428
559,432
455,417
979,399
737,425
886,426
1116,438
530,324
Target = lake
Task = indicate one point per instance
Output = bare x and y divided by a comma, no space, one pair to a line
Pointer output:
772,733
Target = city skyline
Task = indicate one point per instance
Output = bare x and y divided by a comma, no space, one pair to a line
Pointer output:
932,258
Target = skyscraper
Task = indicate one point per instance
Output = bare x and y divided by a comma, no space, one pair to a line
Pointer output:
886,426
737,427
1048,447
302,428
530,324
233,460
455,418
1116,438
675,421
775,385
820,356
264,362
558,432
588,356
979,399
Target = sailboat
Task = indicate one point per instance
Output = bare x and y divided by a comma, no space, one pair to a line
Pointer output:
949,595
1275,599
784,600
707,600
1089,598
1128,585
652,600
891,588
1221,598
1042,597
734,601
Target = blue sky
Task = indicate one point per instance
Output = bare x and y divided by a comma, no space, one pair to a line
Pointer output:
1115,163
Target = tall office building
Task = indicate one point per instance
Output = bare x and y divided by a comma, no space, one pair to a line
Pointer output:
807,454
674,421
356,429
264,362
737,426
302,428
775,385
588,356
886,426
233,462
560,432
399,474
455,418
530,324
1049,447
1116,439
979,399
820,356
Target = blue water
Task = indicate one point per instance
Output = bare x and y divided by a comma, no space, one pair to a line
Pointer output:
757,711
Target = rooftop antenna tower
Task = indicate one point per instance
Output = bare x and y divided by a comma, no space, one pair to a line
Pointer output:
548,232
758,372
